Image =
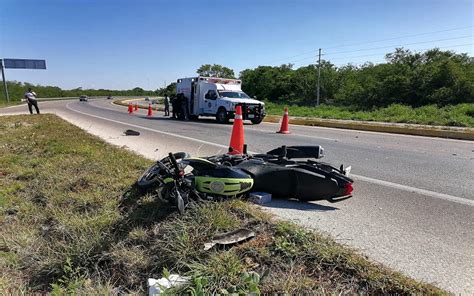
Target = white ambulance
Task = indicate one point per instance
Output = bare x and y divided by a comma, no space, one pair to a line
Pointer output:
210,96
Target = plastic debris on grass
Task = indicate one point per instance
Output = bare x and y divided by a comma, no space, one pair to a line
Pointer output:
230,238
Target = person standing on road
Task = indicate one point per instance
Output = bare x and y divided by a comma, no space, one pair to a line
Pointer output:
30,97
167,106
174,105
184,108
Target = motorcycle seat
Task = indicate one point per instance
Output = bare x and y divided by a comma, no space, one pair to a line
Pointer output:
290,152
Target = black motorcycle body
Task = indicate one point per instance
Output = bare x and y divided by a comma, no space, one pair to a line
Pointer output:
280,172
300,181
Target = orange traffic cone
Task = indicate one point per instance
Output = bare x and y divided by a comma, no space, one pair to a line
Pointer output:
130,108
237,139
150,111
284,123
136,107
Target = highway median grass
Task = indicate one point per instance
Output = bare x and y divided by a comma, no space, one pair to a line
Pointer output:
461,115
72,222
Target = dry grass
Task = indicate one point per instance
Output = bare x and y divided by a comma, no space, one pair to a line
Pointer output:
72,222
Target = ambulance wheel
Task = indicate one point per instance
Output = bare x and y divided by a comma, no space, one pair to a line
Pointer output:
256,120
221,116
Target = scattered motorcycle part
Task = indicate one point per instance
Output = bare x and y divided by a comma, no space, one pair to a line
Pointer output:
230,238
130,132
260,198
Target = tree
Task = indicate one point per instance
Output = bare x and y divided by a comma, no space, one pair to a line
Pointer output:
169,90
138,91
215,70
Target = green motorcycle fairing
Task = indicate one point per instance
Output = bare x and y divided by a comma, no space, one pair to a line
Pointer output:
223,186
168,180
217,179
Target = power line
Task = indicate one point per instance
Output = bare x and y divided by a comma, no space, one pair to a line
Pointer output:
301,54
390,46
396,45
405,36
366,42
380,61
376,54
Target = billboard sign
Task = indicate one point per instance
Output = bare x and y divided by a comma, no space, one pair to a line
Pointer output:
24,64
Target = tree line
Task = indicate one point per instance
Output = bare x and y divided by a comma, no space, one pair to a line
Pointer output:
16,90
408,78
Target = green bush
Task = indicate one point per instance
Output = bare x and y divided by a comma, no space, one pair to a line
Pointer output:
452,115
408,78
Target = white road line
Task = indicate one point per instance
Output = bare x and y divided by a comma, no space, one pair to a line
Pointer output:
253,129
314,137
149,129
438,195
342,130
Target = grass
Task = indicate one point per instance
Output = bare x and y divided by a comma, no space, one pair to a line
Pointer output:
72,222
3,103
459,115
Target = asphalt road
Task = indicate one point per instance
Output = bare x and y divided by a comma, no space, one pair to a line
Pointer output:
413,205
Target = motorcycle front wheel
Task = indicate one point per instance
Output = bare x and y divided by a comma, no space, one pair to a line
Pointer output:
152,177
177,196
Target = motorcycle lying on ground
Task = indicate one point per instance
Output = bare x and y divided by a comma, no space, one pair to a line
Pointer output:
179,179
281,172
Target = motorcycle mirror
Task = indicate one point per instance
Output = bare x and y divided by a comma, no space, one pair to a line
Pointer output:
283,152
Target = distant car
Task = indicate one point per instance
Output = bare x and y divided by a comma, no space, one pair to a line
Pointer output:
147,99
83,98
109,98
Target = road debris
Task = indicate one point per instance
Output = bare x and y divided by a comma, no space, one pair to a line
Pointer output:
130,132
156,287
260,198
230,238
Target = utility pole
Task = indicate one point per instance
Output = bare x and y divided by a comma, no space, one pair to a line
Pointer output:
319,77
5,90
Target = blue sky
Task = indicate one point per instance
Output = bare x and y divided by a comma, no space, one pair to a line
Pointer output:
123,44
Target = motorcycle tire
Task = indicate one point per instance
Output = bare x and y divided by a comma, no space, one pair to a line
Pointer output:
178,197
150,178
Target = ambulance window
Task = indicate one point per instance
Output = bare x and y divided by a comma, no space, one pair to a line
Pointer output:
211,95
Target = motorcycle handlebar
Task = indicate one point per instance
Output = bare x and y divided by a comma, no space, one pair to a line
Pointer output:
174,163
